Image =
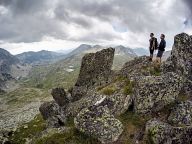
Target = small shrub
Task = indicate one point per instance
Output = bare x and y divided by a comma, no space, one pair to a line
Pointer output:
183,97
132,123
120,78
128,89
35,127
71,136
155,69
108,90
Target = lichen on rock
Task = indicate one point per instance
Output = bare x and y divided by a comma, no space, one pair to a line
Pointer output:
180,60
53,114
152,93
162,133
95,70
181,114
100,123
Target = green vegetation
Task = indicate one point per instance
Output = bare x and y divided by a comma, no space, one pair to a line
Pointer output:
72,136
47,77
183,97
120,79
28,130
33,130
22,96
109,90
128,89
155,69
132,123
151,134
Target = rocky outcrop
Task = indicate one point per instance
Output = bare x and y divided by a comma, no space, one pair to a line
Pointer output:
98,122
181,114
136,67
153,93
53,114
117,103
180,60
95,70
60,96
136,85
161,133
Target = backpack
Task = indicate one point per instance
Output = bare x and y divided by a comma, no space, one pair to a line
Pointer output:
155,44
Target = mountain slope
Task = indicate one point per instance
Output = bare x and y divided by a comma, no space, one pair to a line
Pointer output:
11,69
6,60
40,57
64,72
141,51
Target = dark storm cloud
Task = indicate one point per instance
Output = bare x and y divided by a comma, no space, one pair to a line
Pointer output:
189,4
27,21
5,2
137,16
23,6
31,20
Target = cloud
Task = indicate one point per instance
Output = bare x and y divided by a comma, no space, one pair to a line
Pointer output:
189,5
126,22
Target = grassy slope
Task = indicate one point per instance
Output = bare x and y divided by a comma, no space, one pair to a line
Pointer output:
56,75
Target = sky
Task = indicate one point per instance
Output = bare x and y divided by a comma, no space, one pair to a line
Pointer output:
34,25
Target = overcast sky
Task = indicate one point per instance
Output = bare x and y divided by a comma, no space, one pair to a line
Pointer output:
64,24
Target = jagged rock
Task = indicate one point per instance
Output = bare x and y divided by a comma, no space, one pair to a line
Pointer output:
95,70
60,96
74,108
78,92
53,114
153,93
116,103
136,67
162,133
97,121
181,114
180,60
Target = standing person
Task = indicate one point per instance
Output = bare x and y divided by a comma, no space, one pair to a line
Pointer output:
153,44
161,48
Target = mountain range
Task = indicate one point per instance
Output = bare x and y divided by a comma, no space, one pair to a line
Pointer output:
40,57
54,68
11,69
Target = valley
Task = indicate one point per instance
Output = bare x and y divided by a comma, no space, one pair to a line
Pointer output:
34,74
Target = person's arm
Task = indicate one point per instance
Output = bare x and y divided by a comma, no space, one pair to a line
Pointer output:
164,44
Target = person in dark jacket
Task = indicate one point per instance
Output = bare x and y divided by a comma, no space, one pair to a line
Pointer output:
153,44
161,48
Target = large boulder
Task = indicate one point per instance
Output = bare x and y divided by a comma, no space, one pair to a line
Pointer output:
152,93
60,96
162,133
98,122
117,103
53,114
136,67
95,70
181,114
180,60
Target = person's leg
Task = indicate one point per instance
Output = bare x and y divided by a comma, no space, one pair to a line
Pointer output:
158,56
151,54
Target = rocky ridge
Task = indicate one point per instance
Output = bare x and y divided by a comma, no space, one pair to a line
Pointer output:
159,95
100,96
